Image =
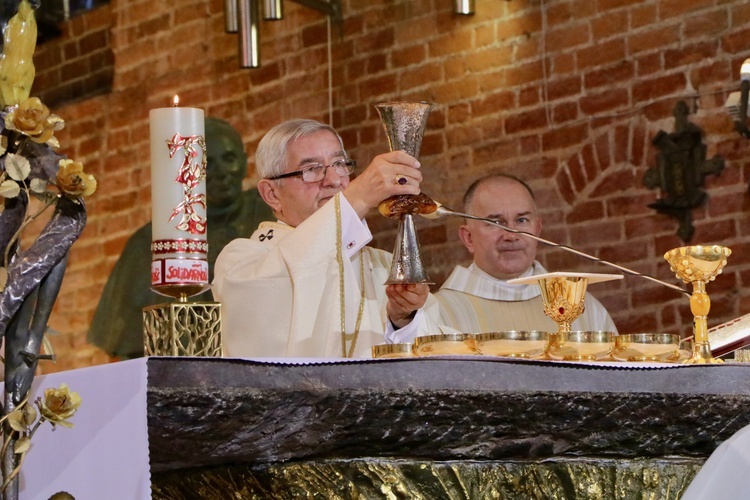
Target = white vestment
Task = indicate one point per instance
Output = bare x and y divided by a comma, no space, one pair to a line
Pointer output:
472,301
724,475
280,289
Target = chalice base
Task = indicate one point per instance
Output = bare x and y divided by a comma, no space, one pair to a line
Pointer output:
702,355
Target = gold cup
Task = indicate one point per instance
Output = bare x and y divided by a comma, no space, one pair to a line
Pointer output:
445,344
660,347
512,343
699,264
403,350
564,300
582,346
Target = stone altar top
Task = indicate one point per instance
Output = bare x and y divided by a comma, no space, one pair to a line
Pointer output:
212,411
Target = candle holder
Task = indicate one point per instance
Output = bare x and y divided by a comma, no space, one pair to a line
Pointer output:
182,328
698,265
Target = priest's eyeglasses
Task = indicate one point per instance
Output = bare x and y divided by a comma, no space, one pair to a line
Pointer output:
316,172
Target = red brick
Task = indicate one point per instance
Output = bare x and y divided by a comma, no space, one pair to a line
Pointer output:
563,137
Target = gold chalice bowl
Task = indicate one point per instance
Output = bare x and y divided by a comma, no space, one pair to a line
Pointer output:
514,344
659,347
445,344
699,264
402,350
582,346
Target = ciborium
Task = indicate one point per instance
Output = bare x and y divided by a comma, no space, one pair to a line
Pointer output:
404,124
699,264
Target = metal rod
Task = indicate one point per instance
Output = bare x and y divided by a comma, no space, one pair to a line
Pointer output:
249,17
273,10
444,211
463,7
230,16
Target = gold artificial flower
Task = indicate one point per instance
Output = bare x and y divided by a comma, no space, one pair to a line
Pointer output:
33,119
73,181
59,405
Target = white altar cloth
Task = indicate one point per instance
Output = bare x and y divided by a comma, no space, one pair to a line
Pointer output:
105,453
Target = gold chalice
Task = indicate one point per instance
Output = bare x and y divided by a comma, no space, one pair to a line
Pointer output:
563,295
699,264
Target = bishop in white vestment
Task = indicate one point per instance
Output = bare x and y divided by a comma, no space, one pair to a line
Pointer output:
280,290
307,286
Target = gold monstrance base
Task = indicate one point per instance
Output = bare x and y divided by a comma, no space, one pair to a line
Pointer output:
182,328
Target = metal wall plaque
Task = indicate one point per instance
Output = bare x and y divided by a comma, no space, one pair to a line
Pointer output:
681,170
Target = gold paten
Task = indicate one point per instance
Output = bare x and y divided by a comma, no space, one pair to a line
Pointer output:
404,350
512,343
582,346
660,347
449,343
182,329
698,265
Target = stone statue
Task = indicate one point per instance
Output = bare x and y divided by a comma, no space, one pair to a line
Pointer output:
117,327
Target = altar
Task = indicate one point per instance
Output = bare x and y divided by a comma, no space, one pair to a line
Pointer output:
442,427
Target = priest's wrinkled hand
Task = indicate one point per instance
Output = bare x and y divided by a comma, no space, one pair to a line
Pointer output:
403,302
389,174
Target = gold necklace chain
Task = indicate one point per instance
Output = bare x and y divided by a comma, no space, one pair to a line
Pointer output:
342,302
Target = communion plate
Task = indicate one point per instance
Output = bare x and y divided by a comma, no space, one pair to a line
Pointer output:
446,344
582,346
403,350
664,347
515,344
591,277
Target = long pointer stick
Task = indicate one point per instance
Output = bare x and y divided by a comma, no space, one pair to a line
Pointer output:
441,210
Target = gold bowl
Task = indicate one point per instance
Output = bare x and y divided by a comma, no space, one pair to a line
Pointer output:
663,347
581,346
512,343
405,350
445,344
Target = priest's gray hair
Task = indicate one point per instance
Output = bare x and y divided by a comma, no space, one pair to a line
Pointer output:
271,155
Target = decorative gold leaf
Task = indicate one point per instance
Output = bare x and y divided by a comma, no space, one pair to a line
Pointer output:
38,185
48,347
9,189
16,420
29,414
3,278
3,144
17,166
23,444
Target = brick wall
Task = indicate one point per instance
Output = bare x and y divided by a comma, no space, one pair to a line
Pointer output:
568,98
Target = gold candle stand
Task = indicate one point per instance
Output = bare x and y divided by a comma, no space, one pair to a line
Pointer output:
182,328
699,264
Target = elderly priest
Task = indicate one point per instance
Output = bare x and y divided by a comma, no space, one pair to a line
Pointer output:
307,285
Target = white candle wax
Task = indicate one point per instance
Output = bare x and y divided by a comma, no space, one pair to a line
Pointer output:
178,196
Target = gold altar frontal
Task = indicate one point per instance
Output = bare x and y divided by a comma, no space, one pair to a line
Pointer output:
182,329
598,479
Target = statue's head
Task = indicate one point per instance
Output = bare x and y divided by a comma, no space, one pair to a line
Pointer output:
227,163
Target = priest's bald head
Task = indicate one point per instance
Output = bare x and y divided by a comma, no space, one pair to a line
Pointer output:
501,254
